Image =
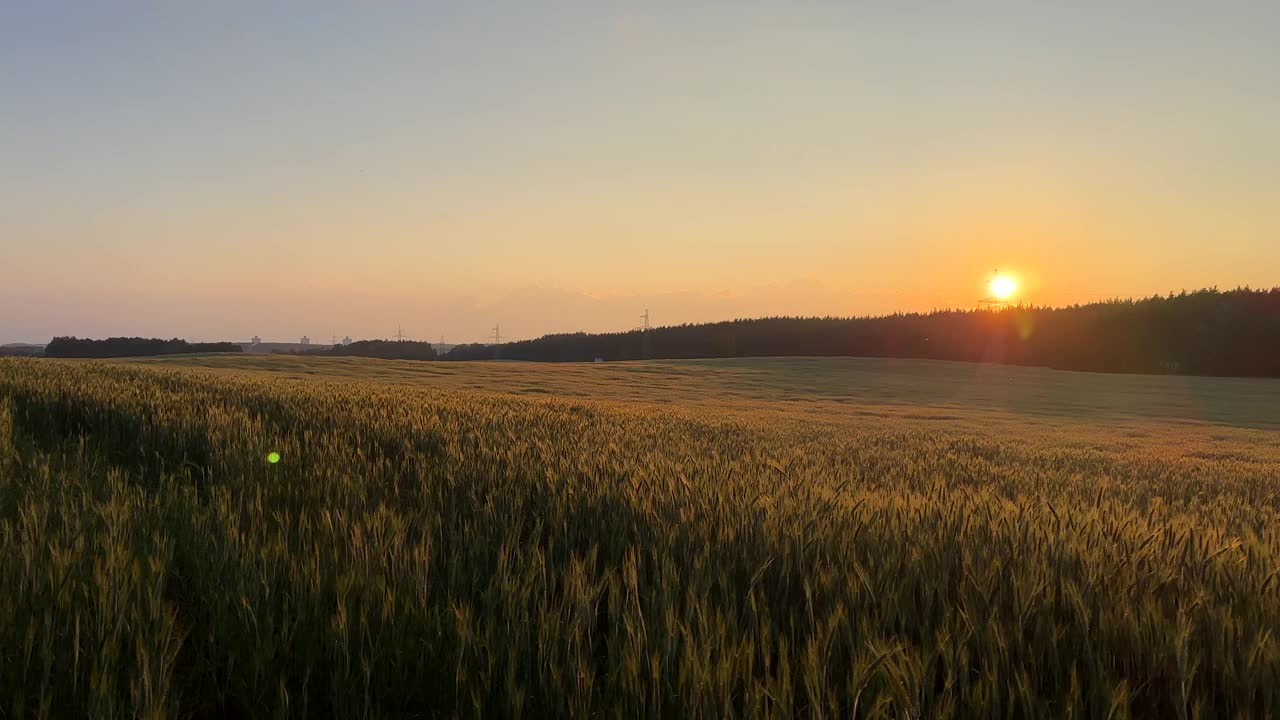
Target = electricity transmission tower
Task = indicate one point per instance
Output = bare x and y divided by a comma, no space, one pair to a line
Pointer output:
645,329
497,342
993,301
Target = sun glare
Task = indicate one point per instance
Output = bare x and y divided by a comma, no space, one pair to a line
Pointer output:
1003,287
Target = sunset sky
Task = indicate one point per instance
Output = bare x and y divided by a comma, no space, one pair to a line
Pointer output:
218,170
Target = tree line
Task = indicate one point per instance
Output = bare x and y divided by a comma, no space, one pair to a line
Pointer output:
385,349
73,347
1206,332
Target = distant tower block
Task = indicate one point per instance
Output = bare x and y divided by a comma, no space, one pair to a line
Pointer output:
256,340
306,340
346,340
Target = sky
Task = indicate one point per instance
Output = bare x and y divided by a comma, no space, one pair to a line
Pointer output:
223,170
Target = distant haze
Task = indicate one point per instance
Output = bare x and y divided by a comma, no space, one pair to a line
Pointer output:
223,170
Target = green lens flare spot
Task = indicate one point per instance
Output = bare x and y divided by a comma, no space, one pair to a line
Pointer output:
273,457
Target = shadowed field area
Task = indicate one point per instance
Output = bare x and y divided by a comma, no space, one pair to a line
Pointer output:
951,390
731,538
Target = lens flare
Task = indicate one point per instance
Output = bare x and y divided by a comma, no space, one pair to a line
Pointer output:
273,457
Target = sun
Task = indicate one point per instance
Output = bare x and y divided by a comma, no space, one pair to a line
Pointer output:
1003,287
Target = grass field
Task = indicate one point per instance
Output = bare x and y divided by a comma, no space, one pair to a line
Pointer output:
765,538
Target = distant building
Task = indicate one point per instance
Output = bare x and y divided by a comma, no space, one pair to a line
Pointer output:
256,340
306,340
346,340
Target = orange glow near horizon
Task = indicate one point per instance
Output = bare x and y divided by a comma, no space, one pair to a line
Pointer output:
562,171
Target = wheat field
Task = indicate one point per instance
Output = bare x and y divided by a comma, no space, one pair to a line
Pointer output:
817,538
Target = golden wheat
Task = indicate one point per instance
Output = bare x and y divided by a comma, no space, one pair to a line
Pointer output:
441,552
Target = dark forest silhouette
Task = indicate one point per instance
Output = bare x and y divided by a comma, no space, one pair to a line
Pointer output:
385,349
1207,332
73,347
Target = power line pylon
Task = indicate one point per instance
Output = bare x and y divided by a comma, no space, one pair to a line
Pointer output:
992,302
645,333
497,342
